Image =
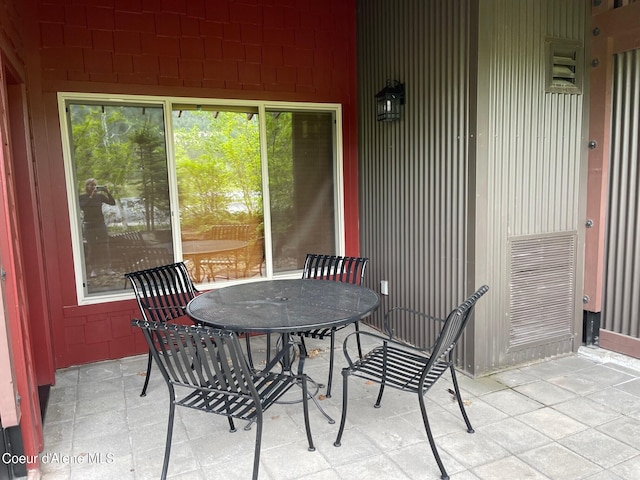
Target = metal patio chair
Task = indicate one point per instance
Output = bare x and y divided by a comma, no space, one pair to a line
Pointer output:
162,294
339,269
211,368
398,365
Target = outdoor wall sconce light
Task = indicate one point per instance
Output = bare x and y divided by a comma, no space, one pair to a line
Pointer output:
388,101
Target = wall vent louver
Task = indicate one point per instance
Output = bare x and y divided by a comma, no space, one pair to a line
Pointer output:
564,66
541,289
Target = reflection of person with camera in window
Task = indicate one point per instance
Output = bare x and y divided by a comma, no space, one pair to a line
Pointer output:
93,226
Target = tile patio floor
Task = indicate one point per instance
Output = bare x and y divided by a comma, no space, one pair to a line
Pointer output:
574,417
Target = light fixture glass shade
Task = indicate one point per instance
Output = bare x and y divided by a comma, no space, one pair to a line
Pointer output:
389,100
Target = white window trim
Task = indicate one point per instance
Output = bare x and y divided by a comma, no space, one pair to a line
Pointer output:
166,103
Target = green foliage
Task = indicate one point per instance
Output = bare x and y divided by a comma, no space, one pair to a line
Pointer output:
218,167
217,161
153,184
124,149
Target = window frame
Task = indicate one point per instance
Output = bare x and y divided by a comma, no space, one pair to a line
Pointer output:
167,103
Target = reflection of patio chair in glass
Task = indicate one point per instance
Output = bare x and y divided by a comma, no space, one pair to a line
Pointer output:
253,258
226,264
135,253
211,371
194,271
162,294
339,269
396,364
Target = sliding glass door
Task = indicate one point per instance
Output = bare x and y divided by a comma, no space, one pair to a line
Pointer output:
238,191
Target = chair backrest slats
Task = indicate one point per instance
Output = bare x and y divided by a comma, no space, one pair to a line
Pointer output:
199,357
334,267
453,328
223,368
208,372
229,232
162,292
166,342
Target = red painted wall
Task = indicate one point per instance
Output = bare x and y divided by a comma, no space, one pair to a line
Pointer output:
290,50
17,223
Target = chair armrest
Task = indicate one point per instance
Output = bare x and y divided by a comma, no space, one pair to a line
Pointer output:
382,339
391,318
359,334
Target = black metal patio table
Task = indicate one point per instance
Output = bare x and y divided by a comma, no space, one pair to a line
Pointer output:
283,307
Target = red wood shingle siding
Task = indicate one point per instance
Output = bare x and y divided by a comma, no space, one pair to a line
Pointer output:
289,50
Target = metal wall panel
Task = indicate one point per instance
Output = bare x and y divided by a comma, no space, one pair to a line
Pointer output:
435,221
621,307
415,172
531,156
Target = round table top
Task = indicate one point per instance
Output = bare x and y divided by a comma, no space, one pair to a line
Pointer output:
283,305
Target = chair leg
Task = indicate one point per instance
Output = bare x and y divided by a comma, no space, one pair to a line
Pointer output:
425,420
232,425
256,453
268,355
459,398
249,356
146,378
167,448
332,344
305,409
384,377
343,418
357,325
379,399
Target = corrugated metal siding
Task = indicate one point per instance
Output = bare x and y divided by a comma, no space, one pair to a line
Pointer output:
621,308
435,223
530,151
414,173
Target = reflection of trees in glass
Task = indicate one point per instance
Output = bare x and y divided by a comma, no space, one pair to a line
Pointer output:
97,149
280,155
123,147
218,168
154,183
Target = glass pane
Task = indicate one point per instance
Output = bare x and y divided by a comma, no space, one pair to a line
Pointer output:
301,192
120,169
220,192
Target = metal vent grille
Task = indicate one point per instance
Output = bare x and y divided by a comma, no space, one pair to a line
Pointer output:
541,289
564,66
